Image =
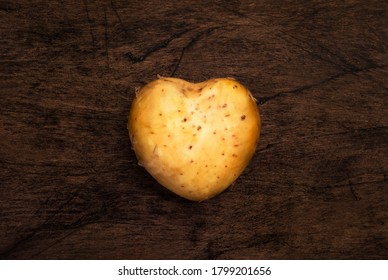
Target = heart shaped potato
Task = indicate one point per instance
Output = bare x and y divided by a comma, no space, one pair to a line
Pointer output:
194,139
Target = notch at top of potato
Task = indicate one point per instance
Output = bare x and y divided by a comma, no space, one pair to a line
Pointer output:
195,139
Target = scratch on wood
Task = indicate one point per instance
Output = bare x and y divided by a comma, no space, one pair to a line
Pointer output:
106,40
90,27
353,193
163,44
265,99
8,251
191,43
55,243
119,18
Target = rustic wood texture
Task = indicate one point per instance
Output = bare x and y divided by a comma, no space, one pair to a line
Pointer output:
70,184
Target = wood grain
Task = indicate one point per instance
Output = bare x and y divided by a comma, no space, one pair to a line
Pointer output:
70,184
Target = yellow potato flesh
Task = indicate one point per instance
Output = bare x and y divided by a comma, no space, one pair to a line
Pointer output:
194,139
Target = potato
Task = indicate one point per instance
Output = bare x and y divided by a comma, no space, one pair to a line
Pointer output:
195,139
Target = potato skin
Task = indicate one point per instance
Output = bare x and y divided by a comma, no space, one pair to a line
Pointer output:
194,139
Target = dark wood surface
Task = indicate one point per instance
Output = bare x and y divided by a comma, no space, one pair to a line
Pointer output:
70,184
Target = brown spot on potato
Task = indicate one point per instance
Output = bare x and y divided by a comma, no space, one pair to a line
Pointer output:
225,105
184,120
199,128
243,117
227,115
190,147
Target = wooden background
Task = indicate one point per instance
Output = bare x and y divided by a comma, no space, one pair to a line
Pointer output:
71,188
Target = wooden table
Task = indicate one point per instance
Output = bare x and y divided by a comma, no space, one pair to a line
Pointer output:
70,184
